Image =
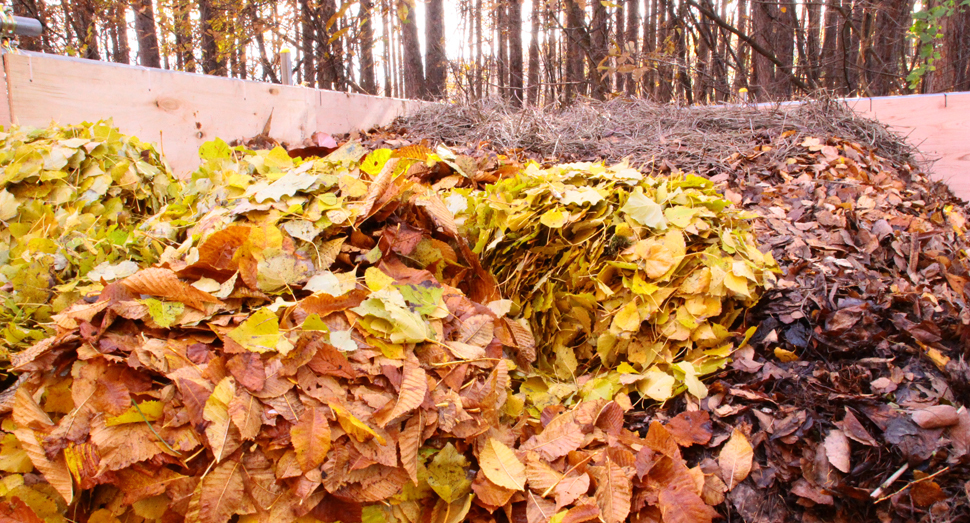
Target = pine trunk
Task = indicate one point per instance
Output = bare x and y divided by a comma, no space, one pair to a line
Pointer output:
515,51
632,33
414,83
213,62
599,40
436,62
533,92
147,38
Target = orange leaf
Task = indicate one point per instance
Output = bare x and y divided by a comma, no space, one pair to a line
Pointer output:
163,283
561,436
614,491
311,438
501,466
245,412
691,428
541,476
679,504
414,386
735,459
16,511
409,442
27,413
571,487
219,496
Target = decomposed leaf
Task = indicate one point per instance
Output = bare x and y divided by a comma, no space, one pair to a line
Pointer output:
501,466
613,492
447,474
735,459
311,438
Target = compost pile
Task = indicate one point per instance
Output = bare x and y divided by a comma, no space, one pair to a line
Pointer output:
853,391
318,341
70,199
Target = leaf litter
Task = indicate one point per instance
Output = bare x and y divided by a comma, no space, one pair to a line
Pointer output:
401,450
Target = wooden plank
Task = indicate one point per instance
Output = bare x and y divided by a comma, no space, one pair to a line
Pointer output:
180,111
938,124
5,118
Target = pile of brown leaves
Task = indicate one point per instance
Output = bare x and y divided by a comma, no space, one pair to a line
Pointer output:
854,390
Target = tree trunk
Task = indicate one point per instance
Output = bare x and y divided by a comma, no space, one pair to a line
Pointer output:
599,40
829,66
515,51
436,62
632,33
812,43
953,67
414,83
533,92
478,49
83,22
185,54
122,51
213,61
741,75
619,79
147,38
367,78
501,36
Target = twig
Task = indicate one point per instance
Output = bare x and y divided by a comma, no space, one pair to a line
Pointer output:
910,484
889,481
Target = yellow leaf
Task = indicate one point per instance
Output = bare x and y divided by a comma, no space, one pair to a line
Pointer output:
786,356
216,412
353,426
657,385
261,333
375,279
737,284
447,474
500,465
152,411
554,219
627,319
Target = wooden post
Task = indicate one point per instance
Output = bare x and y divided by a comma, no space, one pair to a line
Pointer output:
287,65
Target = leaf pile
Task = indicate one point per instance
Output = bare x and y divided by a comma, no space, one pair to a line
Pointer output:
621,271
70,202
318,342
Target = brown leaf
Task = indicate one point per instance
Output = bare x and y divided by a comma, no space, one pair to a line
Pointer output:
16,511
582,513
614,491
936,416
220,495
489,493
572,486
311,438
560,437
853,429
27,413
331,362
123,445
163,283
195,393
735,459
838,451
246,413
538,509
926,492
540,475
477,330
248,370
681,505
376,190
414,386
409,442
713,491
661,441
691,428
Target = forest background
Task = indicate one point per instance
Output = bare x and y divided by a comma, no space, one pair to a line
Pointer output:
536,52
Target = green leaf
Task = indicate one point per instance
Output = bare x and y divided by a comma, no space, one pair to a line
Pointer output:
164,313
215,150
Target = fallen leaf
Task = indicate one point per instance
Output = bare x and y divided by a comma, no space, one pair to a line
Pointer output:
735,459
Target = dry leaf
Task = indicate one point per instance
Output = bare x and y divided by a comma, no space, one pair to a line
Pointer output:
501,466
837,450
735,459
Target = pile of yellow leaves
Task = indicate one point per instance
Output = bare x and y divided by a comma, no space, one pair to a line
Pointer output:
319,342
645,276
70,201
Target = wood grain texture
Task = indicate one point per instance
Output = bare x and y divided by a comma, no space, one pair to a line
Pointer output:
181,111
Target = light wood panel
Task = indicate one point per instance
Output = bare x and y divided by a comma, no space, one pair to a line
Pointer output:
938,124
180,111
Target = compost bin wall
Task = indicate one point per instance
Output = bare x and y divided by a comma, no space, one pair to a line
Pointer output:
179,111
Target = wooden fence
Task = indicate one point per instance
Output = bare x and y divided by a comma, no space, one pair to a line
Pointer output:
180,111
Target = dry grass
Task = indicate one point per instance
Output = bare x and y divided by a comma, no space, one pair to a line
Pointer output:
699,139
